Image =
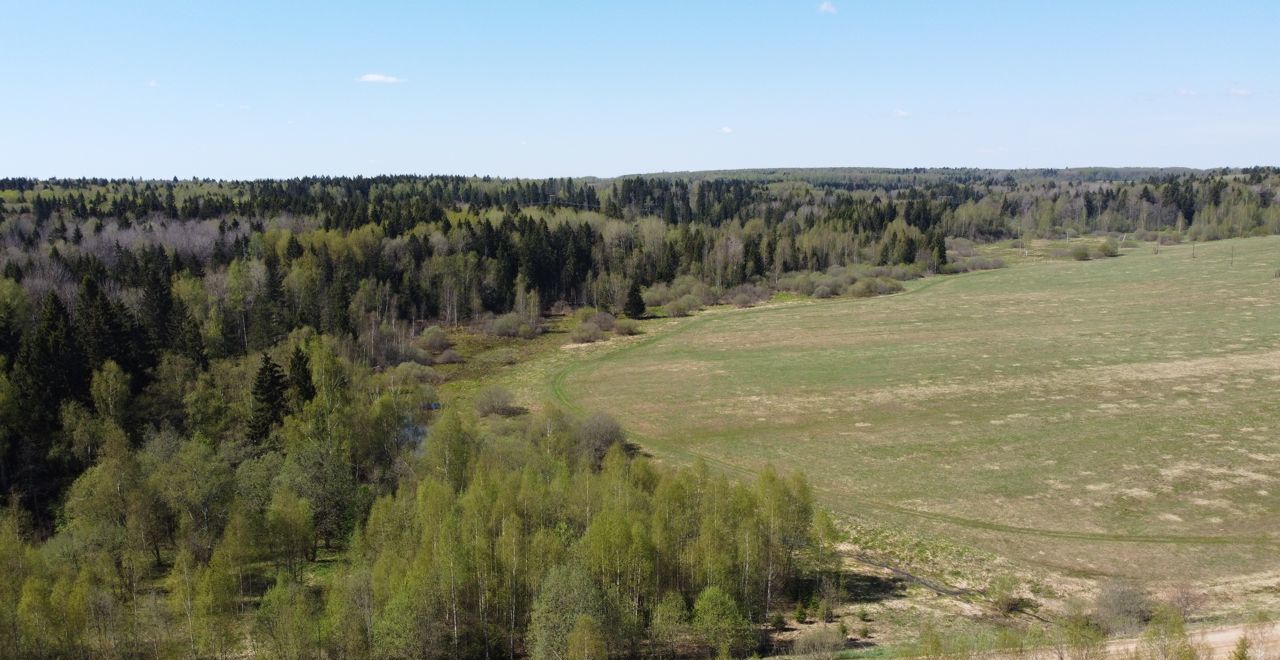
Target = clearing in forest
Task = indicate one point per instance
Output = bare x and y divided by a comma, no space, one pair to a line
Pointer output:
1117,416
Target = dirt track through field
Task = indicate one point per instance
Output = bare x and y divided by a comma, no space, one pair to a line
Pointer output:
1212,642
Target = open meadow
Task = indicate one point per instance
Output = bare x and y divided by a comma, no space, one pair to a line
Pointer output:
1093,418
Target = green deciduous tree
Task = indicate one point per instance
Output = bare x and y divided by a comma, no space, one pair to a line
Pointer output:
568,592
450,446
286,621
586,641
290,530
720,623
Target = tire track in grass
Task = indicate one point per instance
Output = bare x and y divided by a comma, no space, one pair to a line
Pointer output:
560,393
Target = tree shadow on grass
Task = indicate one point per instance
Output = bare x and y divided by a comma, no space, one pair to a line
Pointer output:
866,588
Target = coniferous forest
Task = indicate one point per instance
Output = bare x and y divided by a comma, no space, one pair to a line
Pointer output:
220,419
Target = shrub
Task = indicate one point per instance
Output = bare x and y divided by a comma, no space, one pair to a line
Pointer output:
1003,593
1185,599
585,333
745,295
963,247
1109,248
1123,607
967,264
657,295
1166,636
1080,253
603,320
824,610
598,434
626,327
822,291
874,287
902,272
494,400
825,641
412,373
449,356
1242,649
800,283
683,306
435,339
507,325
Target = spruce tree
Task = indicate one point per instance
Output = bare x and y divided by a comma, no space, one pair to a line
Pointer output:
99,326
267,320
185,335
634,307
938,245
50,369
157,307
269,404
300,377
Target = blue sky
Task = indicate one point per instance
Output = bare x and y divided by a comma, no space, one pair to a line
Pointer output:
273,89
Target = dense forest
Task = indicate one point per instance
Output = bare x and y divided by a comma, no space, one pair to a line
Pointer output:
219,428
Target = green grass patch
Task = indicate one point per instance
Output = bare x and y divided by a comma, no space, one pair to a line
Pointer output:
1111,416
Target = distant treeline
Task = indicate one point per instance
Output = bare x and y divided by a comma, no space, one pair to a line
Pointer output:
128,271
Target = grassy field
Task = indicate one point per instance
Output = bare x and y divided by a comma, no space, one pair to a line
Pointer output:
1107,417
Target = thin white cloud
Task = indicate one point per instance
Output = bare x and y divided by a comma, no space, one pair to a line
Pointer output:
1184,91
1240,91
379,78
901,114
152,83
726,130
827,7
